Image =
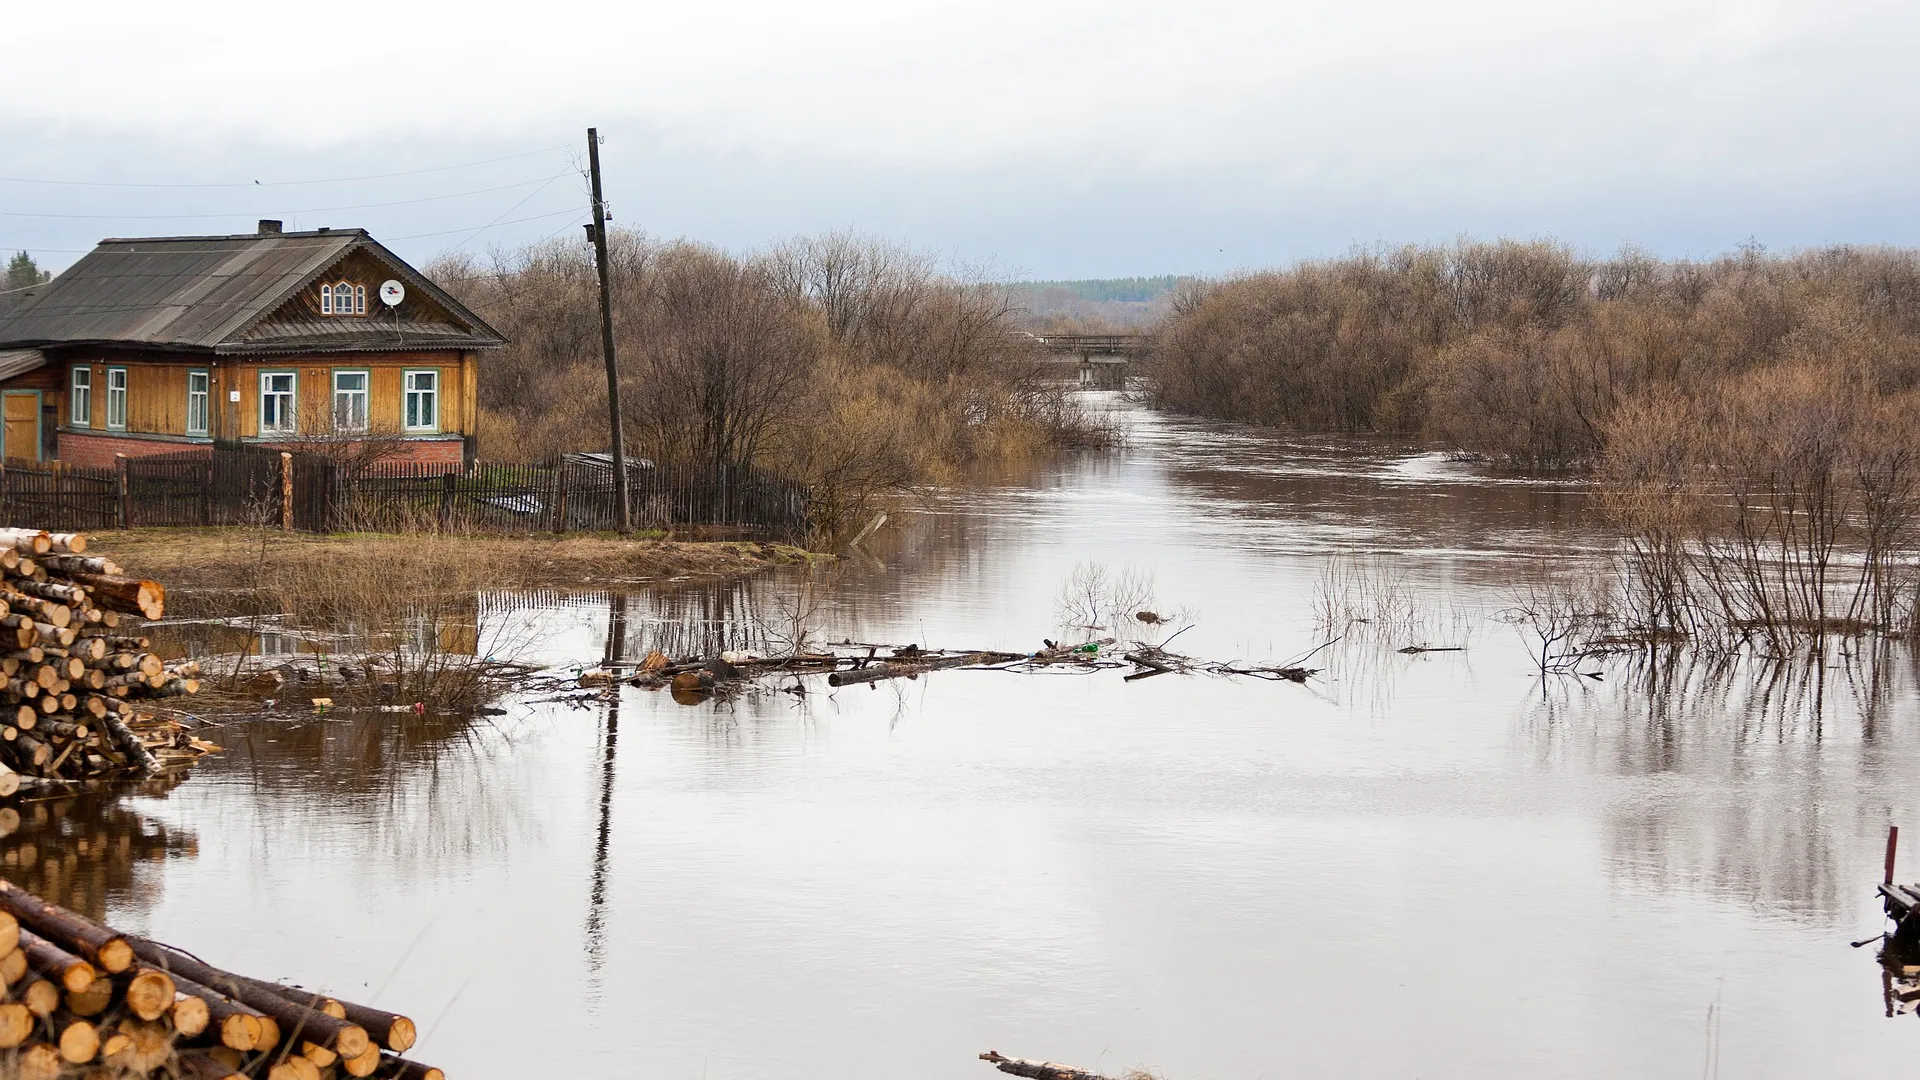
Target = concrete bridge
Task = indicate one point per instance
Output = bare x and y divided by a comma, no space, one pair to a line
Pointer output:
1099,359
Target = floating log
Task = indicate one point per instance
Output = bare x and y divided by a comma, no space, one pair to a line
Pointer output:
911,668
1037,1070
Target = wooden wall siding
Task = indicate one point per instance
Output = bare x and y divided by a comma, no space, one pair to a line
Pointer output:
157,391
157,399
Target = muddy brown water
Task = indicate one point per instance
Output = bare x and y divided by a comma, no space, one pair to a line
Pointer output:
1427,865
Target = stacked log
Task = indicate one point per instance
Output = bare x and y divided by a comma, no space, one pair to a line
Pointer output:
73,666
80,996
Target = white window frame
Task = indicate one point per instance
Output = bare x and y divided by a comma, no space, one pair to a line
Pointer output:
117,395
343,298
292,396
203,396
407,393
80,397
364,394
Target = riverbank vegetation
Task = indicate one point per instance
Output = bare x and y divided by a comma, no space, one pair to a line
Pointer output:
856,368
1754,420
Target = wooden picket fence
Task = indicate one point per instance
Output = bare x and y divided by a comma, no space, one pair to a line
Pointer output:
250,486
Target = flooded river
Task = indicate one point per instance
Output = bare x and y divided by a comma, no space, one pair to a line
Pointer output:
1413,865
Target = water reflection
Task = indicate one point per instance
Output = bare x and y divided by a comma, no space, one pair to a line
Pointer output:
1161,872
615,651
93,851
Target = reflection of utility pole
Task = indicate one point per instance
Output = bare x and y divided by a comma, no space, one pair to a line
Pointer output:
606,336
597,889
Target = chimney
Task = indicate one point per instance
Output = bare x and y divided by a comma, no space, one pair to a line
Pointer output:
269,226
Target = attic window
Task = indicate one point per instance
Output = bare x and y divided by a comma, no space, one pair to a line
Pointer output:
343,298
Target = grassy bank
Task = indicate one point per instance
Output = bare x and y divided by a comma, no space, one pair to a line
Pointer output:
225,559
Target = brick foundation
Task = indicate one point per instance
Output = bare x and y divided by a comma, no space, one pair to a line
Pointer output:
98,450
448,452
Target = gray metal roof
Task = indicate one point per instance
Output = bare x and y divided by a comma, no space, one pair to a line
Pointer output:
206,292
20,361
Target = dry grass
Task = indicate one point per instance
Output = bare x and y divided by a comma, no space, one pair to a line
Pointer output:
226,559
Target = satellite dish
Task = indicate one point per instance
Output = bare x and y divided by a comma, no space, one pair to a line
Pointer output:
392,292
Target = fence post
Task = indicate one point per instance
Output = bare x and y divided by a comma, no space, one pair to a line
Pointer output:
120,486
59,496
446,499
6,498
560,496
286,491
206,492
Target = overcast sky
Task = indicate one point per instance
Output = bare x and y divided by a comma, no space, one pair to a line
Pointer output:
1042,139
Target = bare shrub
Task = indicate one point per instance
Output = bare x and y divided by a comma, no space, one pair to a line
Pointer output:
1563,617
1122,604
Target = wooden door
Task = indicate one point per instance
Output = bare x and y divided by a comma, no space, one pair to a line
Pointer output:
22,425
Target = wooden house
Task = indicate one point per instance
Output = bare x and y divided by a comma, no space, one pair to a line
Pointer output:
150,346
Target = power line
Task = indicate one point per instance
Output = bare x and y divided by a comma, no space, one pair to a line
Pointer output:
284,183
515,221
310,210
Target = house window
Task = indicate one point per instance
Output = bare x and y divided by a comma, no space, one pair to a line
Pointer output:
349,401
343,298
276,402
197,397
423,400
80,398
117,398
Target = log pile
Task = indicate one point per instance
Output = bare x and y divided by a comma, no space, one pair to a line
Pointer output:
73,666
84,999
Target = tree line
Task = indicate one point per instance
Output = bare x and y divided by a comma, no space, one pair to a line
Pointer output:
1754,419
855,367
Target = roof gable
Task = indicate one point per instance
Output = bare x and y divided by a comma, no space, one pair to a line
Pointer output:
426,317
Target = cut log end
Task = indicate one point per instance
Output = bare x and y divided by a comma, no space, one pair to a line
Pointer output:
79,1042
239,1031
41,997
190,1015
40,1062
116,956
16,1024
150,994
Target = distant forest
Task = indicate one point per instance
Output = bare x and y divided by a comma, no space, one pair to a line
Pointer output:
1095,304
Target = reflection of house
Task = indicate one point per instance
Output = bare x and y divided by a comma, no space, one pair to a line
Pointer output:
151,346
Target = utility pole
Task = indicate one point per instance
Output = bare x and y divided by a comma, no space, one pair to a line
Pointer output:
606,337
